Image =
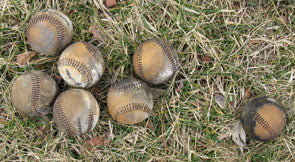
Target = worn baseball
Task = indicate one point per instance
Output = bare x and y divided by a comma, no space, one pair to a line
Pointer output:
75,112
33,92
129,101
81,65
49,32
155,61
263,118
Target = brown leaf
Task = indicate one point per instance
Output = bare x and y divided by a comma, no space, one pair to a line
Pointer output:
96,34
95,141
41,130
58,78
111,3
157,92
25,57
204,58
247,93
179,86
149,124
255,41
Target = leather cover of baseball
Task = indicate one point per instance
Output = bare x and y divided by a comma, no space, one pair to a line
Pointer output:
33,92
130,101
75,112
263,118
49,32
81,65
155,61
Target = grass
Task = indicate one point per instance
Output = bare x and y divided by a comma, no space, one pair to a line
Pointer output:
251,45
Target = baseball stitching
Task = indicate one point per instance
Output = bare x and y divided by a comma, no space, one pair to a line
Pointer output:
78,66
170,56
61,115
133,84
35,94
262,122
79,126
165,50
90,116
139,61
132,107
94,52
58,26
64,17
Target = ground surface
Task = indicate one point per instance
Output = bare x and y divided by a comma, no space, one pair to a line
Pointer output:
231,47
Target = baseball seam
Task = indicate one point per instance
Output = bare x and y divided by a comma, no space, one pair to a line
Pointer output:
139,62
79,126
61,115
263,123
58,26
170,56
127,86
95,53
78,66
90,116
132,107
35,94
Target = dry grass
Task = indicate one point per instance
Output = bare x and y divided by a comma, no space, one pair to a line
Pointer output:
251,44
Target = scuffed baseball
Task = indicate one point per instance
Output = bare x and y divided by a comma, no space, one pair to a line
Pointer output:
81,65
49,32
263,118
155,61
130,101
33,92
75,112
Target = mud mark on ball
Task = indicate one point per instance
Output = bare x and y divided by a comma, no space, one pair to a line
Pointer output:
71,78
80,67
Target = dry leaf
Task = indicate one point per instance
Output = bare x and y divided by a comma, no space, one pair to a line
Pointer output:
111,3
204,58
25,57
96,34
41,130
247,94
157,92
220,100
255,41
179,86
95,141
149,124
238,134
58,78
2,123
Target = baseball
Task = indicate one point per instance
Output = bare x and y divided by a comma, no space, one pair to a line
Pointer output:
49,32
263,118
81,65
75,112
155,61
129,101
33,92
